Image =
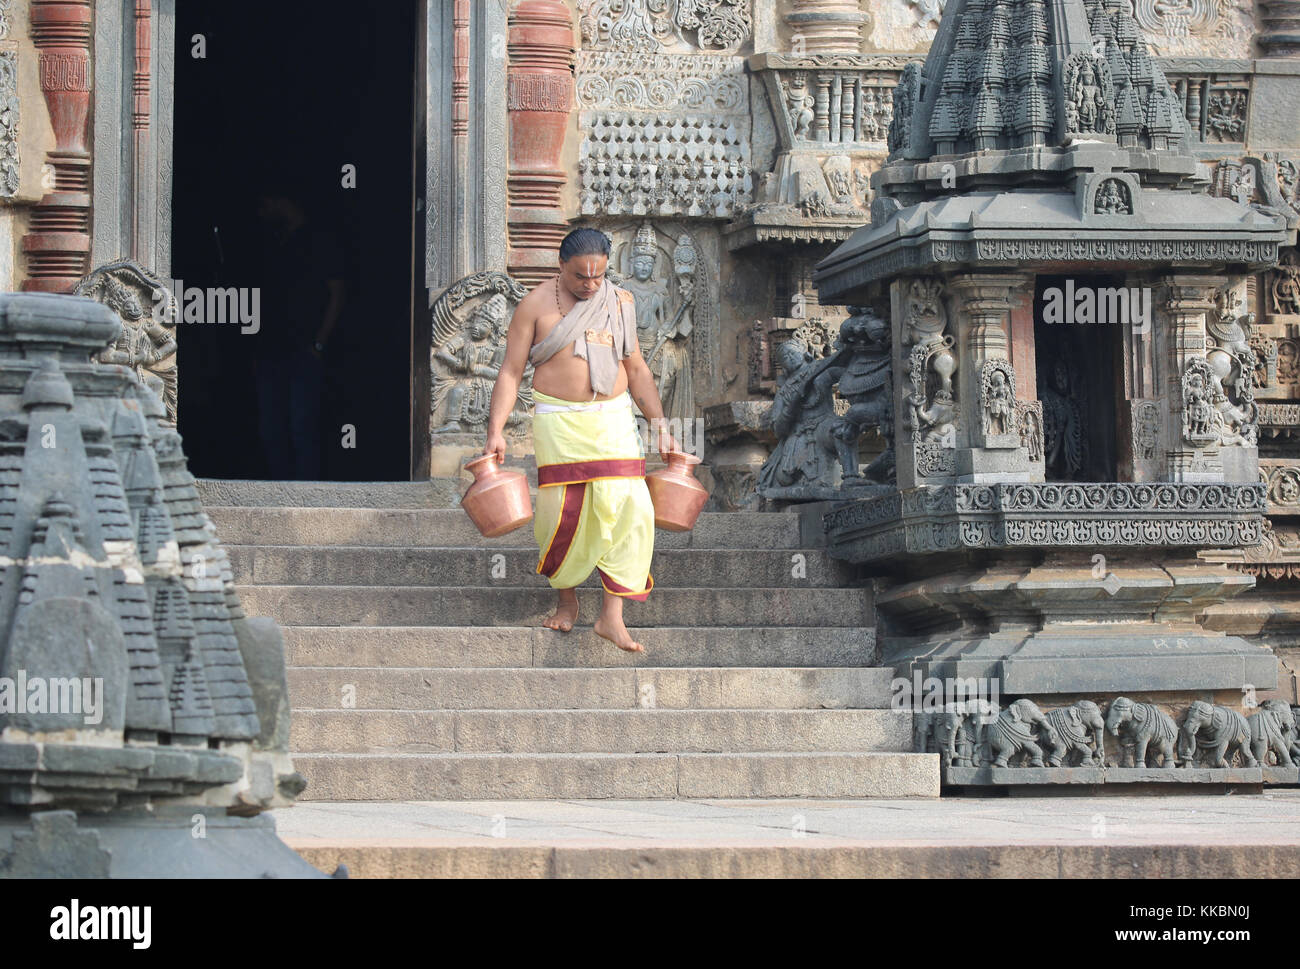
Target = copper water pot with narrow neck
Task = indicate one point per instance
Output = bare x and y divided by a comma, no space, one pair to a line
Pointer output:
677,495
498,501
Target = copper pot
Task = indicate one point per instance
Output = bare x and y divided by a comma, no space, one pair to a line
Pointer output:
677,495
498,501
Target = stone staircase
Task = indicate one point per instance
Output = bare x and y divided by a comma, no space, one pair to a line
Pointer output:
418,669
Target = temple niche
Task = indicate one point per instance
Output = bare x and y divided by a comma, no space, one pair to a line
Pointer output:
1079,358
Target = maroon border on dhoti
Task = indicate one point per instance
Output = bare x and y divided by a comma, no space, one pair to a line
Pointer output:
565,529
622,590
575,471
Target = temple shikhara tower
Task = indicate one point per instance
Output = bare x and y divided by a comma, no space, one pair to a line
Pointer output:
983,315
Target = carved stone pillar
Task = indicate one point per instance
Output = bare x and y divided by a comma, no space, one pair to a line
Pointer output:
826,26
1281,34
58,247
1187,300
541,51
988,443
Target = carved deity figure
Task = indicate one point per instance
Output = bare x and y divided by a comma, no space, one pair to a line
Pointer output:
1062,425
1285,290
803,419
664,333
860,366
1000,406
473,360
1112,198
148,312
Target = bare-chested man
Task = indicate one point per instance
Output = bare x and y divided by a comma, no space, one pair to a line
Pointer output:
593,507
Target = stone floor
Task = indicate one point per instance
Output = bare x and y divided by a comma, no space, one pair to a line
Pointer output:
1187,836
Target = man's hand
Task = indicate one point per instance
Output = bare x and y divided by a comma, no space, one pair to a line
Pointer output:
496,443
666,443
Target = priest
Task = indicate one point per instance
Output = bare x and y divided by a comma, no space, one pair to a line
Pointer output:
593,507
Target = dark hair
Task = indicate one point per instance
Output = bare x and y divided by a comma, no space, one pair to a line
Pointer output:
584,242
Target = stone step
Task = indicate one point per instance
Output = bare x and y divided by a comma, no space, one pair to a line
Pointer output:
435,493
807,688
451,527
679,568
427,777
488,646
597,731
302,605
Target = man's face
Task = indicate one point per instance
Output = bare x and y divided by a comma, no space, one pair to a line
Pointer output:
582,275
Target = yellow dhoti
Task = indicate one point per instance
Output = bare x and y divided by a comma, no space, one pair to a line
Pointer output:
593,506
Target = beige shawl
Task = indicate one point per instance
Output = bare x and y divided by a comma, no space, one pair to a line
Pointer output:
602,330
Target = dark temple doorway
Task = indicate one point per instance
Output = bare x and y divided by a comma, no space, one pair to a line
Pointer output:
294,161
1078,341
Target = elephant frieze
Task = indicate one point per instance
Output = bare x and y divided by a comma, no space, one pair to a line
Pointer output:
1080,729
1272,728
1020,728
1144,727
1219,733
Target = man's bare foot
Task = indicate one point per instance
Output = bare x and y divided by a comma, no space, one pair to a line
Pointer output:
617,634
565,614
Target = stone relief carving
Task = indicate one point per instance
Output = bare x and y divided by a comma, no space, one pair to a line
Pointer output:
828,106
1283,483
905,96
1273,732
1218,397
469,345
861,370
937,518
1216,734
619,81
677,315
932,405
9,113
650,26
1266,351
976,734
1225,119
998,398
1145,732
1146,430
663,164
803,418
1029,422
1284,285
1090,94
149,314
1020,731
1064,443
1182,28
1113,198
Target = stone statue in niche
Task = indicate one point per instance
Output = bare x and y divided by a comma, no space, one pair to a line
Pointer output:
1113,198
801,103
1232,363
664,333
1063,438
931,406
803,418
860,366
149,314
1089,94
469,347
1285,287
1146,430
998,398
1030,423
1266,351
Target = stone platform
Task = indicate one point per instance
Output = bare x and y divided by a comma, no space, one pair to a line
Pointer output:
1197,836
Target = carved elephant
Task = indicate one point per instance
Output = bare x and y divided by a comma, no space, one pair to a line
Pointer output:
1272,727
1218,731
1142,726
1079,728
944,727
1020,728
